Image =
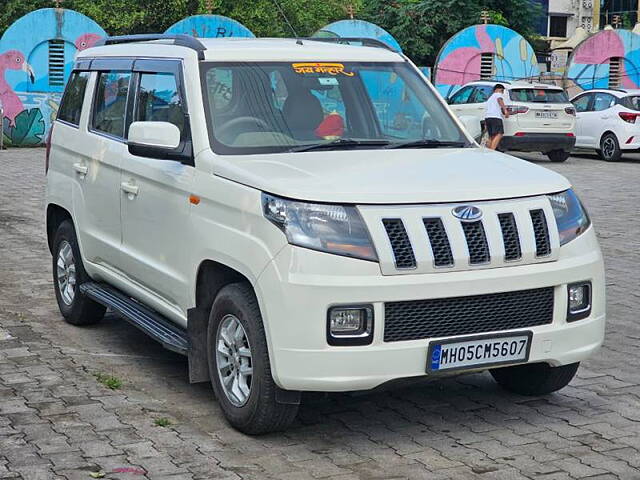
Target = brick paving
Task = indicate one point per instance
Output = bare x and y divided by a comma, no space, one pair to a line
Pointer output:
58,422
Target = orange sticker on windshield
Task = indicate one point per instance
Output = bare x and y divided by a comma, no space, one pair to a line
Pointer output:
328,68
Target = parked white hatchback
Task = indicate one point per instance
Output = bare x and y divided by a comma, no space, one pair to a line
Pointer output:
607,122
541,118
266,208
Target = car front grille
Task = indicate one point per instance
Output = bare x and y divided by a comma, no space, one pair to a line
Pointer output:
414,239
453,316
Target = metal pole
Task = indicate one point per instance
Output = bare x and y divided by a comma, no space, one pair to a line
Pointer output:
1,127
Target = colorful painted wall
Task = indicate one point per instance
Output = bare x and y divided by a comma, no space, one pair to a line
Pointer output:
210,26
358,29
459,59
36,58
589,63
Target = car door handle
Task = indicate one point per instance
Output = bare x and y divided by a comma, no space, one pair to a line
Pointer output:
130,188
80,168
604,117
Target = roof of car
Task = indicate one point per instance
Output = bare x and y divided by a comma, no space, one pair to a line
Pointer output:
618,92
250,49
514,84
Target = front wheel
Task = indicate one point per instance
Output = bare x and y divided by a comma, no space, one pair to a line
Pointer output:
610,148
534,378
239,364
558,155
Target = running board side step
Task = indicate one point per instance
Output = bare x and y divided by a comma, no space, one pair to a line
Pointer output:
152,323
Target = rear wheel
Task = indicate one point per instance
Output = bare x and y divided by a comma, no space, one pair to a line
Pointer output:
534,378
239,364
558,155
610,148
68,275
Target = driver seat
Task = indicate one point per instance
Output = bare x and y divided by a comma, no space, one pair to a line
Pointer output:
302,114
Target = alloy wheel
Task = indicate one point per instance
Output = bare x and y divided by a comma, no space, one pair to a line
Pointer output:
66,273
234,361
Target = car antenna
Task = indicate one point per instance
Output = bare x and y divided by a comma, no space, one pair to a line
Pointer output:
293,30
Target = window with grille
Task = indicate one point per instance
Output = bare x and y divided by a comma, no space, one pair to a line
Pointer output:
486,66
558,26
56,63
615,75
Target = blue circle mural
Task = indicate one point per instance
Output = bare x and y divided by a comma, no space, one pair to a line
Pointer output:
210,26
36,57
358,28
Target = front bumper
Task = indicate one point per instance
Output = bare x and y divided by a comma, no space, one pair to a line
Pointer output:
538,142
299,285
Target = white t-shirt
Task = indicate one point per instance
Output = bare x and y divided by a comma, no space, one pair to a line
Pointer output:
493,109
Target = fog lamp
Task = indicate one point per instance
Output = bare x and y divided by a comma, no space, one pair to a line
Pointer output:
578,301
350,325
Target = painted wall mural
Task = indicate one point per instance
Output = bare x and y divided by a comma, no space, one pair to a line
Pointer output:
459,60
210,26
358,28
590,63
36,58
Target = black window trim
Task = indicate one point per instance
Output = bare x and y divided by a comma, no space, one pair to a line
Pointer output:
90,127
64,95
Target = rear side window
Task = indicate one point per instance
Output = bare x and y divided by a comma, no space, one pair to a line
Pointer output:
632,102
602,101
538,95
71,105
110,105
159,99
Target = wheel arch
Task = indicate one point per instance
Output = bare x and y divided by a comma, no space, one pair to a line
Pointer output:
211,277
55,216
606,132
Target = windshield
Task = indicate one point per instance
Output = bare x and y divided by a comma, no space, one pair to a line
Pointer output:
297,106
538,95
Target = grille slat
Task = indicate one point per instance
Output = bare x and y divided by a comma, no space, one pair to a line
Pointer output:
453,316
510,237
477,242
400,244
442,256
541,232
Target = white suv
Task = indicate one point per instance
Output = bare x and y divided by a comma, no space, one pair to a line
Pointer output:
607,122
265,208
541,118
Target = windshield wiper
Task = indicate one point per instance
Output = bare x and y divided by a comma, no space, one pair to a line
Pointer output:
428,144
341,143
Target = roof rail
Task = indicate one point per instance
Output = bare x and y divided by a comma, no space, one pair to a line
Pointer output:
364,41
180,40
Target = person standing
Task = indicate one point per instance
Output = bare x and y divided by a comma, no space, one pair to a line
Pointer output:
495,112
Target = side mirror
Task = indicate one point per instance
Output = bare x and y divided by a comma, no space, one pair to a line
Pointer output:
153,139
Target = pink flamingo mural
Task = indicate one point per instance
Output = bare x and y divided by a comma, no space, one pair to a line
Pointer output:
86,40
463,64
12,60
598,50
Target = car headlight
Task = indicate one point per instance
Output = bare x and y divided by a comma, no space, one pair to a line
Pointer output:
328,228
571,217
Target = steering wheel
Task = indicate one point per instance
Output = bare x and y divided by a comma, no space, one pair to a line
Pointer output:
247,121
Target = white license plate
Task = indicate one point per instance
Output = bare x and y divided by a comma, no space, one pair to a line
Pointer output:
546,114
478,351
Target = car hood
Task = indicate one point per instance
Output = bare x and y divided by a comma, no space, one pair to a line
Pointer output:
391,176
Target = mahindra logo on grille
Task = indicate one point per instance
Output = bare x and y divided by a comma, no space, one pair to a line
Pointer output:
467,213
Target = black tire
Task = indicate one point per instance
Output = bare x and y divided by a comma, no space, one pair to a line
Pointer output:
261,413
534,378
80,310
558,155
609,148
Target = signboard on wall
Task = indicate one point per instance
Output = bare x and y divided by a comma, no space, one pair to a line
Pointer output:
559,60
